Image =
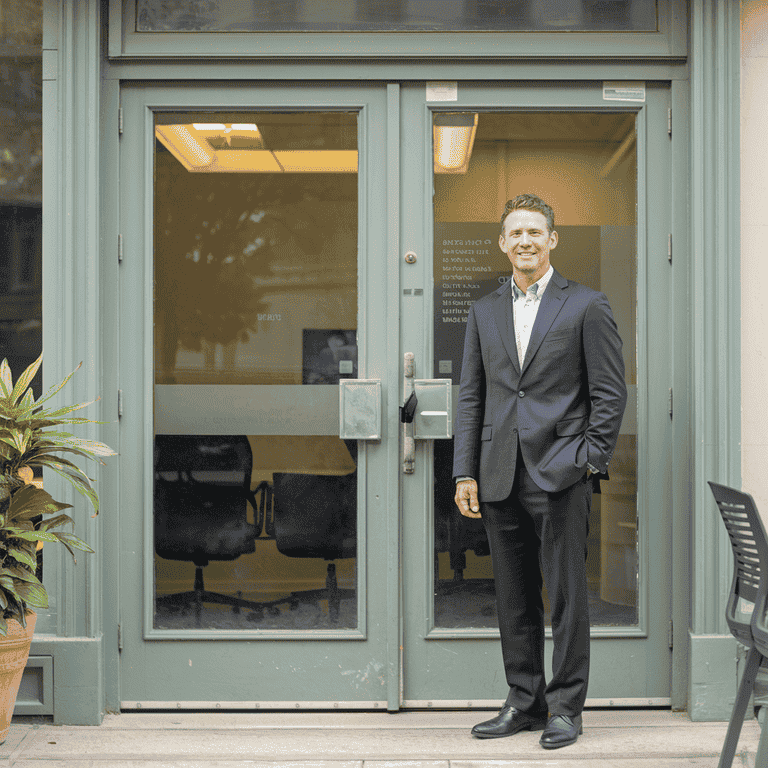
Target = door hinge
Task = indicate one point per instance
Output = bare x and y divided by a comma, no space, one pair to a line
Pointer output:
120,121
119,249
669,248
670,403
119,403
671,634
119,637
669,121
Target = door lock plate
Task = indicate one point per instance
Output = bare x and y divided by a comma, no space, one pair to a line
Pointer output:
360,409
434,413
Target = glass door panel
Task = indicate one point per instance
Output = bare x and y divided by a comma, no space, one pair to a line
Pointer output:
585,166
255,302
604,168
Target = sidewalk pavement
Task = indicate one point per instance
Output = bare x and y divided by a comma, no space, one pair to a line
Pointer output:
435,739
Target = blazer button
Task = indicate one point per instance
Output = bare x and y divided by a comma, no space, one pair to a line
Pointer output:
521,393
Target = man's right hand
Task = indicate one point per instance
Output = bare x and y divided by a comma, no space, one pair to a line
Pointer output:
466,498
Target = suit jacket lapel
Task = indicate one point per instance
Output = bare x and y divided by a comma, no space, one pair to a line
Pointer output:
502,311
551,303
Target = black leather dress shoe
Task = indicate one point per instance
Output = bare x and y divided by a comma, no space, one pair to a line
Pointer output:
561,731
508,722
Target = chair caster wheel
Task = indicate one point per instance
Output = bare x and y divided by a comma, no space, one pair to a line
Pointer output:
273,610
256,615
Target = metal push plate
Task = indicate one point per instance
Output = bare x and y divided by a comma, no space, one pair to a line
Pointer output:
360,409
434,412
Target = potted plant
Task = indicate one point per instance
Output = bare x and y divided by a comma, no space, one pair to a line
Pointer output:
31,437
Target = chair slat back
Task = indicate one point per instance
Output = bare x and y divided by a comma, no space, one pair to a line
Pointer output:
750,556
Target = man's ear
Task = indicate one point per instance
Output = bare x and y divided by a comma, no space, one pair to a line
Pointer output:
552,239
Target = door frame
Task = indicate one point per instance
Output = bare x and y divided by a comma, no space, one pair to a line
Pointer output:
79,250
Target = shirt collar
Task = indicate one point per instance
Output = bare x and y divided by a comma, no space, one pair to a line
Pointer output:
540,285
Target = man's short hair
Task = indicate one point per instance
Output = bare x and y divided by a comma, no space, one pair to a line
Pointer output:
528,203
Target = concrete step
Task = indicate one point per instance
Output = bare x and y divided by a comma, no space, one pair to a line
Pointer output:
435,739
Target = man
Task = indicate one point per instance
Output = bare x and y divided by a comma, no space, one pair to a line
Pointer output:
540,405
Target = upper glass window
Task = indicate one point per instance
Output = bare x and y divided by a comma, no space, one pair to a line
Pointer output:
396,15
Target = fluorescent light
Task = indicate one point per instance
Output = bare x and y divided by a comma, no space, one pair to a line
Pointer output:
454,137
239,148
179,140
317,161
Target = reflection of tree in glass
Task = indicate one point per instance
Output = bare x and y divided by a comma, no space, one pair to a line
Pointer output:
222,241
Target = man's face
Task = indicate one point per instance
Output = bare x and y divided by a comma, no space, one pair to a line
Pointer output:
527,242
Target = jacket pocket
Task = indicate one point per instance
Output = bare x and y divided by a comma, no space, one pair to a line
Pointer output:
487,432
566,427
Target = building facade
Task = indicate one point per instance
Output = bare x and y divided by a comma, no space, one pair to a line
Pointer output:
262,229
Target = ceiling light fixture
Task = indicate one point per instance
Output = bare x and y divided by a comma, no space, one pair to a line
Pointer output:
239,148
454,137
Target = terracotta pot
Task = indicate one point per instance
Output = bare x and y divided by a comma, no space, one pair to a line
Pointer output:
14,652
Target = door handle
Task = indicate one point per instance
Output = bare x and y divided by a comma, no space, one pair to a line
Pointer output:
426,413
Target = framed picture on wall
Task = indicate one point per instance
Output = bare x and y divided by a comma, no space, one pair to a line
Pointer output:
328,356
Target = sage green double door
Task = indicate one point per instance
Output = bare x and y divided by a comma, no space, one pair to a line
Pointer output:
281,240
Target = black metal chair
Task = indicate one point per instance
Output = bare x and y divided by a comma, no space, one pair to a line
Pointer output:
746,607
199,520
315,516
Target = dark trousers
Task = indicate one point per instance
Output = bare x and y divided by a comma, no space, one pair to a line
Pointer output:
533,533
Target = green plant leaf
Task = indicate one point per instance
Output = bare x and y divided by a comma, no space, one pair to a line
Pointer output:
31,499
56,387
3,627
32,594
63,410
74,541
55,522
28,401
25,380
93,447
6,382
18,533
79,480
18,553
20,573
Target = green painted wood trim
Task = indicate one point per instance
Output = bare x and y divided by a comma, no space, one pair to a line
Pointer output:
714,675
715,297
78,675
400,69
714,288
109,492
669,42
37,680
682,444
71,333
394,368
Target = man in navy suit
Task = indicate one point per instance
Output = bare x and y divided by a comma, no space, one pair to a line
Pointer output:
540,406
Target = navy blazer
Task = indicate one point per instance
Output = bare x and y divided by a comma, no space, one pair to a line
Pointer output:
564,405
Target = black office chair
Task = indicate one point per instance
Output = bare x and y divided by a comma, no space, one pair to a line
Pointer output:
454,533
315,516
198,520
746,607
